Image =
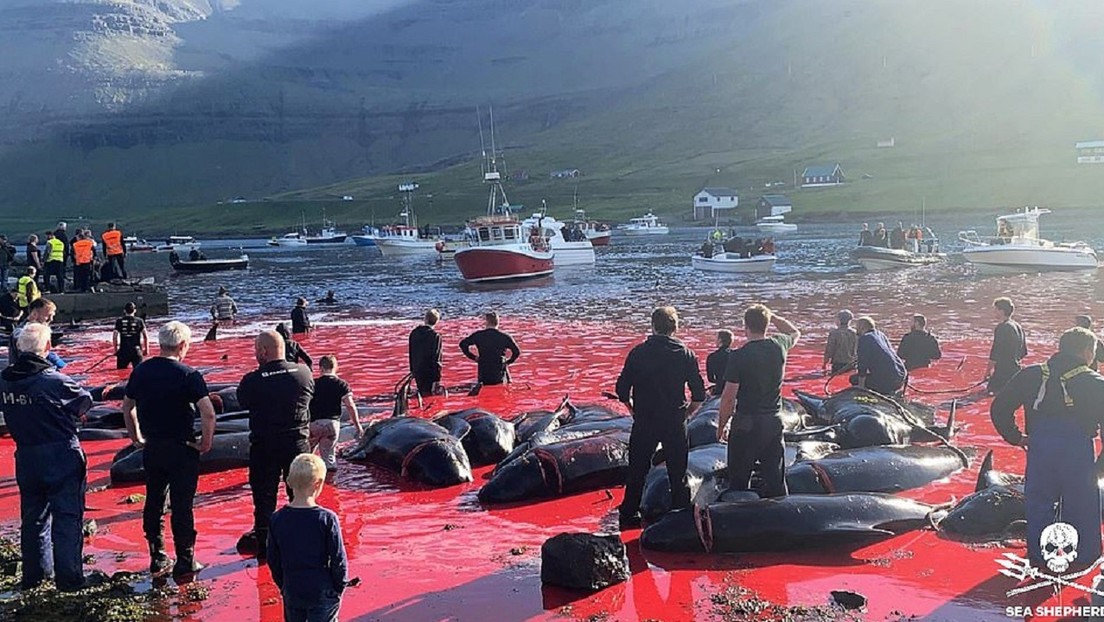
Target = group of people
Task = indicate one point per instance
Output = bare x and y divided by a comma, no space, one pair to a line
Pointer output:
293,414
736,246
914,238
48,268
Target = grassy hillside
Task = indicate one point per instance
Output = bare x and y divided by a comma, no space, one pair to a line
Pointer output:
984,99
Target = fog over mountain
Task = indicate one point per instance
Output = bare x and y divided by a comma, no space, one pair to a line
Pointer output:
119,105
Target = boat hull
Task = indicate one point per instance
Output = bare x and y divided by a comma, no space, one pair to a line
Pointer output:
211,265
599,238
489,265
573,254
364,240
397,248
776,228
721,263
336,239
1013,259
662,230
877,259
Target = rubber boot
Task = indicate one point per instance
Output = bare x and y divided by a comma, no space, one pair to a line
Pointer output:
159,562
186,564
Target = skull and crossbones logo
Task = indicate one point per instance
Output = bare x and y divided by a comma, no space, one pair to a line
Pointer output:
1058,544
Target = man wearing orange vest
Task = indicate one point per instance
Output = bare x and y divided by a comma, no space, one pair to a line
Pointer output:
84,251
115,250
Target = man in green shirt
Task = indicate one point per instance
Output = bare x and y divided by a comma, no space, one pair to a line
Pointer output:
752,398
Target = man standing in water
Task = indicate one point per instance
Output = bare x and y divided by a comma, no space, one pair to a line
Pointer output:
839,351
1061,400
167,395
491,345
919,347
752,399
425,354
653,385
277,395
717,362
129,339
877,366
1009,347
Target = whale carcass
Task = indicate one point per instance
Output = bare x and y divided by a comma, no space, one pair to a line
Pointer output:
858,417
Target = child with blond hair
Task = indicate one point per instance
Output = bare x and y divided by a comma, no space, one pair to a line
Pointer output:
306,554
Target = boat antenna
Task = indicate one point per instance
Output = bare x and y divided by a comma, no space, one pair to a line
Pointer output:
482,143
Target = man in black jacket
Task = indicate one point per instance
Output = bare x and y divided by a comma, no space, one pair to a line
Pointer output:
1086,321
1061,401
717,362
918,348
1009,347
491,347
277,395
653,385
425,354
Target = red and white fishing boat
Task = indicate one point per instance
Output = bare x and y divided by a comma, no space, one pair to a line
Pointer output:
499,248
598,233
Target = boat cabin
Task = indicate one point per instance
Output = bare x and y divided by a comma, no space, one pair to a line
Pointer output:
1021,225
647,221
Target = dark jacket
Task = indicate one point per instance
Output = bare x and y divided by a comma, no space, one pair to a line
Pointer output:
492,345
40,404
277,396
300,323
34,257
918,349
655,377
425,353
1085,390
715,366
876,361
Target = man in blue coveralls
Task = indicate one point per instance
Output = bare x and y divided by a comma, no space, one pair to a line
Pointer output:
1061,400
41,407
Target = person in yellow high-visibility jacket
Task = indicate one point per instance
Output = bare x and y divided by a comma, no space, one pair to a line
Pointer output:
26,291
55,263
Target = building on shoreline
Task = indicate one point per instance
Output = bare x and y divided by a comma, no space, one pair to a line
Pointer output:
1090,152
715,202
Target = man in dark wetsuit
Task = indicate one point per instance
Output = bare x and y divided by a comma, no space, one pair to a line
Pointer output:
300,321
839,350
717,362
425,354
1061,401
167,395
653,385
129,338
877,366
293,352
1086,321
752,399
1009,347
492,345
919,347
277,395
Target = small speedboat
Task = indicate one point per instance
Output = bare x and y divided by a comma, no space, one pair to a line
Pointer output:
733,263
368,238
208,265
1017,247
775,224
178,244
137,245
877,258
648,224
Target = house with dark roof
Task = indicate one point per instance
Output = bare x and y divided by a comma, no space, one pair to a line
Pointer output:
822,175
715,202
772,205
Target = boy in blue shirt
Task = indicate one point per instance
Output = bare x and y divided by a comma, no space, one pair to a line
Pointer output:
305,551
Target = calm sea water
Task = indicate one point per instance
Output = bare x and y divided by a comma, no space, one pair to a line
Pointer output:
813,278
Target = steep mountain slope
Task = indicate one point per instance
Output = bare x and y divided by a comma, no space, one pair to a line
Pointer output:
651,98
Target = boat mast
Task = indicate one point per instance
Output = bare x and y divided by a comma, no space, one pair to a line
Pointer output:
407,190
491,173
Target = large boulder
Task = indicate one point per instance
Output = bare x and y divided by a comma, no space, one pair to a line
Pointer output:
584,561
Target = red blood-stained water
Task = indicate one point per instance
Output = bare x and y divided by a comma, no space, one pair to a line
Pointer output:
427,554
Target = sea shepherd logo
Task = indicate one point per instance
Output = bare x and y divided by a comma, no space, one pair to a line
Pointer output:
1059,547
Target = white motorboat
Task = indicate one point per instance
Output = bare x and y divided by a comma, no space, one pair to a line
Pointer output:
733,263
1017,247
877,258
775,225
295,238
598,233
137,245
406,238
648,224
178,244
573,253
367,238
